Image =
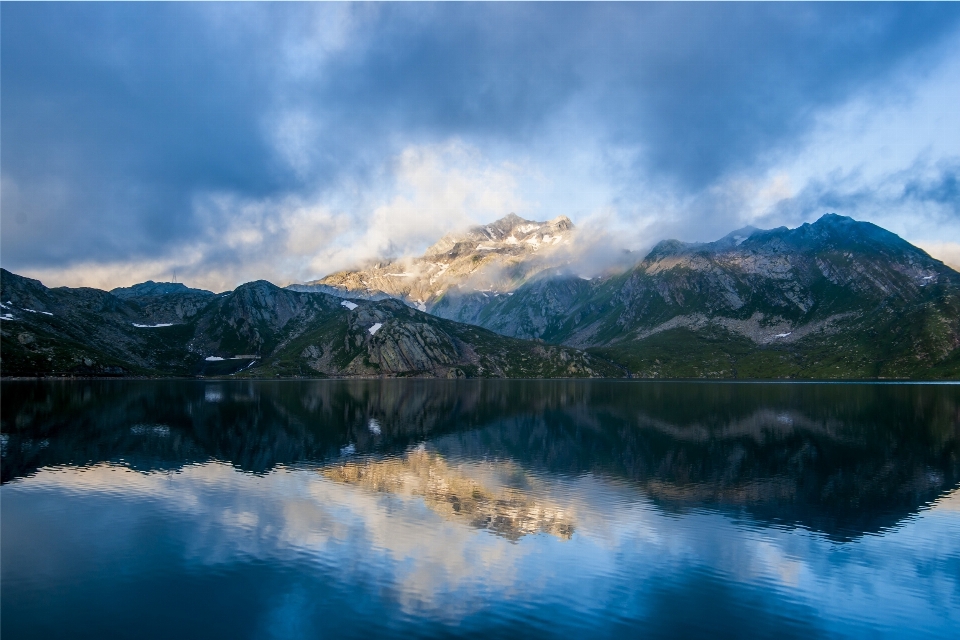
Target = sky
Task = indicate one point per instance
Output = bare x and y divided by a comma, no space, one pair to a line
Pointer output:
221,143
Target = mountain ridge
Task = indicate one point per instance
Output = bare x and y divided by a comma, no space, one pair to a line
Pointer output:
835,298
258,329
774,298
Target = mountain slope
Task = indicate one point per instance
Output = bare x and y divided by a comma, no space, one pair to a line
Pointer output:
80,331
837,298
832,299
259,329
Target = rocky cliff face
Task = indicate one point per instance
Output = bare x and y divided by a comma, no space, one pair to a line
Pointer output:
491,260
374,338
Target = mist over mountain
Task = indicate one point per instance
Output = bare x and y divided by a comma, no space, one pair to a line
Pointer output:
491,259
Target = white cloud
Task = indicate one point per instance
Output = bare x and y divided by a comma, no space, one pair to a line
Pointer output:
865,151
425,191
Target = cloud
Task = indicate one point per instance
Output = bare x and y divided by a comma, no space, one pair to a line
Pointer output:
424,192
918,202
889,157
132,131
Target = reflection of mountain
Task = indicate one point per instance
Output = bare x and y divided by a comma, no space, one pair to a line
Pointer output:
509,512
799,477
843,459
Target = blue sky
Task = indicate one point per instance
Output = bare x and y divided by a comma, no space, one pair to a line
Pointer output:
231,142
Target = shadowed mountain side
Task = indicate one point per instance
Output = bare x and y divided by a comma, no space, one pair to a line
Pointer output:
844,460
256,330
83,331
389,338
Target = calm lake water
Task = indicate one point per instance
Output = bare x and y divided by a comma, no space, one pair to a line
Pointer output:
433,508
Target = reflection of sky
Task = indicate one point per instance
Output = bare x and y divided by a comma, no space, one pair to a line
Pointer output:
390,557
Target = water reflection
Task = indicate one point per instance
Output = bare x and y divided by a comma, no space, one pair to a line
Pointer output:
508,511
840,459
410,508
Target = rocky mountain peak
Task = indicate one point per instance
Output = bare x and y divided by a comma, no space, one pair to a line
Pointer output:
510,230
492,258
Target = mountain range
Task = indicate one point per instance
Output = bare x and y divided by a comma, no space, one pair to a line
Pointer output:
836,298
257,329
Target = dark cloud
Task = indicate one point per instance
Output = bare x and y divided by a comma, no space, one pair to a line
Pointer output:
700,89
933,189
126,111
942,188
717,86
115,117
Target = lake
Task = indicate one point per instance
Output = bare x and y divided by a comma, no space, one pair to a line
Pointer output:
424,508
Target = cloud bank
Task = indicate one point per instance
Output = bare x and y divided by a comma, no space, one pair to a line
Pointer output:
234,142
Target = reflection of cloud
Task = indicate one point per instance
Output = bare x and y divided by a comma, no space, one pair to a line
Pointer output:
434,566
949,502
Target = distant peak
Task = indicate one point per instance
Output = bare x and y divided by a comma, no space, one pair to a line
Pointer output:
151,288
834,218
504,225
738,236
511,228
509,220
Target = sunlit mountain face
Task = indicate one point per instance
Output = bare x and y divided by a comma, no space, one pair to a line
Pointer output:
492,259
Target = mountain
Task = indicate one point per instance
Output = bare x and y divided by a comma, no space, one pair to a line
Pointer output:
833,299
491,260
836,298
165,302
258,329
151,289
